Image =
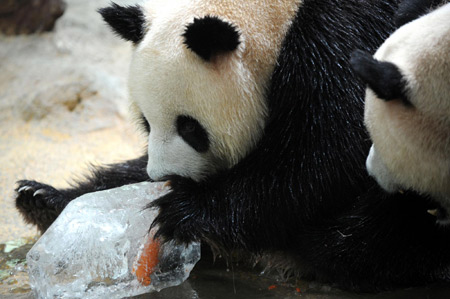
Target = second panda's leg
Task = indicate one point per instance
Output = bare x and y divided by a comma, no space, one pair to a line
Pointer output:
40,204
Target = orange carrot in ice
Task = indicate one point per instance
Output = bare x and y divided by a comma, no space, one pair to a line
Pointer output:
147,262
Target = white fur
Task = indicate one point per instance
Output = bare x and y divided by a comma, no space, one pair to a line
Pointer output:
412,145
226,96
378,169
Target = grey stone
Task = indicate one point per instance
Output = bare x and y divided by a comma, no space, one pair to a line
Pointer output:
29,16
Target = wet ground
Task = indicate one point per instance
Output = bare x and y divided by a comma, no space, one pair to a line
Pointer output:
217,281
209,280
13,268
62,105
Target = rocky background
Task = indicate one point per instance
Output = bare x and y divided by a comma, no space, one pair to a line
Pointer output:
29,16
63,99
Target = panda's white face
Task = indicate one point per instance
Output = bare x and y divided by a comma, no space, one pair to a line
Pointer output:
222,100
412,141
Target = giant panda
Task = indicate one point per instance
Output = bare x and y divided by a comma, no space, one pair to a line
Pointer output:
255,116
408,105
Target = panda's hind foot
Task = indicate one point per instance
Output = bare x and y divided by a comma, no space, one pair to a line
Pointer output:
38,203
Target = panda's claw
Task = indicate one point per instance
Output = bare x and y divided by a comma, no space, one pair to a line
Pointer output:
38,203
433,212
24,189
39,192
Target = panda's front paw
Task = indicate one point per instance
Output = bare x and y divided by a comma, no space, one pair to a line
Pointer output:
180,212
38,203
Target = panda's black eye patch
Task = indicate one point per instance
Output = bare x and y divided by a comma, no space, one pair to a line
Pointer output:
193,133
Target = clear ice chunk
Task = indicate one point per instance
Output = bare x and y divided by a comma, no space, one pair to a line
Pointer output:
100,247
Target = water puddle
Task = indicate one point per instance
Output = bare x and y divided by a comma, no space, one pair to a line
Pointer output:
13,267
208,280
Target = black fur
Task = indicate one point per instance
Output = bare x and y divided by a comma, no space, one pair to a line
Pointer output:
43,207
383,77
40,208
409,10
210,36
127,21
193,133
304,190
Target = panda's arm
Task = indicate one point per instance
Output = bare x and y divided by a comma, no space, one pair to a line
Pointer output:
236,209
40,204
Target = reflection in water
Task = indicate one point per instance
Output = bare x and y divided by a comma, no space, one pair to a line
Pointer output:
212,280
13,268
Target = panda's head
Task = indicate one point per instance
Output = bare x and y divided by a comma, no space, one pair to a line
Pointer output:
407,110
198,77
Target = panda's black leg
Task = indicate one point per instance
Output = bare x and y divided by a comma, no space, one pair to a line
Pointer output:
40,204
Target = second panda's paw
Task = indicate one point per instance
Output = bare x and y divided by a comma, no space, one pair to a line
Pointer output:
38,203
180,212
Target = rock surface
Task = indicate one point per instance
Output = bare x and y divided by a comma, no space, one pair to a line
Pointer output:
29,16
63,105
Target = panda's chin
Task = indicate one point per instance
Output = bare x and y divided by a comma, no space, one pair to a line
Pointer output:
163,177
162,170
155,180
378,170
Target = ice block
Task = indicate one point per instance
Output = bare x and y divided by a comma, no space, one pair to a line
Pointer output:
100,247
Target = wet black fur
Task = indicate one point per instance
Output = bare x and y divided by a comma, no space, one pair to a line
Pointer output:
127,21
304,190
384,78
209,36
43,208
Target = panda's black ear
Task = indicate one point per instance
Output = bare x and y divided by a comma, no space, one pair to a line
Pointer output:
409,10
209,36
127,21
384,78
